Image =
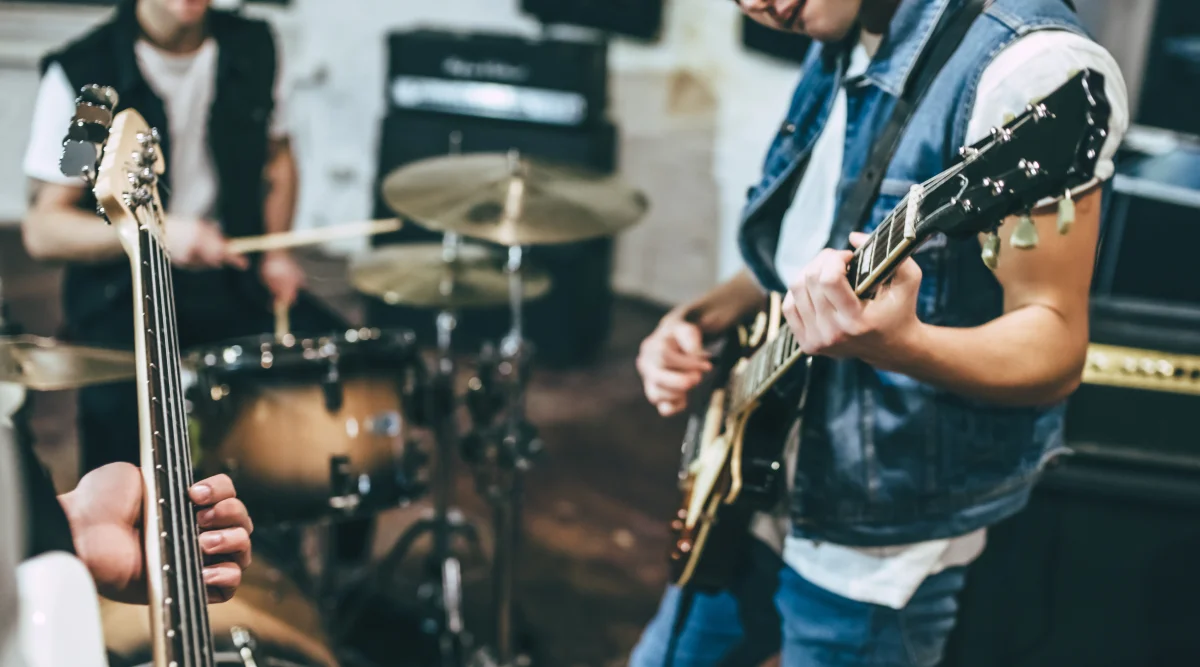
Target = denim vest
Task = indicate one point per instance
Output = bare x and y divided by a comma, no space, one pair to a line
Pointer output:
885,459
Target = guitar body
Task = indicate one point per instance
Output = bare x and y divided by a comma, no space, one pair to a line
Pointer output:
733,467
59,619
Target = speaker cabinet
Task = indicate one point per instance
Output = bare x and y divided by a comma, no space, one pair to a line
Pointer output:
1100,570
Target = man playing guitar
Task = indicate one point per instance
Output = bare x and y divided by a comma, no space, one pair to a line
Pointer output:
940,399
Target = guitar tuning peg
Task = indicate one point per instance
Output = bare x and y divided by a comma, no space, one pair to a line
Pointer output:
102,96
1066,213
991,250
1025,235
148,140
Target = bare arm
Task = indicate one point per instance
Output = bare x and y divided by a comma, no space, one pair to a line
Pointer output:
280,272
55,229
1034,353
723,306
280,205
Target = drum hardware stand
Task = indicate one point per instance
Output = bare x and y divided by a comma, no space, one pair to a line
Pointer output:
441,592
507,447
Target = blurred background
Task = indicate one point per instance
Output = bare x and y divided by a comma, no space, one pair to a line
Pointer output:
680,98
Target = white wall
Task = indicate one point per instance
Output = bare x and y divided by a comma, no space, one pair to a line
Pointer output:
695,113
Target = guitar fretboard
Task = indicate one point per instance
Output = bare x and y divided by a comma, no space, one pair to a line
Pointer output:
871,263
184,627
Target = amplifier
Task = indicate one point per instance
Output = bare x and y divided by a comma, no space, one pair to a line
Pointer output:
547,81
1154,195
635,18
569,324
1098,571
1141,385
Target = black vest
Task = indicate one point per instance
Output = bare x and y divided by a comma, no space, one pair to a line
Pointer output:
97,297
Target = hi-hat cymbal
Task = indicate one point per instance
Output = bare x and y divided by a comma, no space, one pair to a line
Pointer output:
418,275
512,201
46,364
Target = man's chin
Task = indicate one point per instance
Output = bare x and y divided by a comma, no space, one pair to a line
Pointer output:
795,27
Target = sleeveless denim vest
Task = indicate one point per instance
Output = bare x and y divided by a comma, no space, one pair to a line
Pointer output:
885,459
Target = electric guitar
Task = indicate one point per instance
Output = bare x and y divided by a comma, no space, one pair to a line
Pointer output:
125,186
732,453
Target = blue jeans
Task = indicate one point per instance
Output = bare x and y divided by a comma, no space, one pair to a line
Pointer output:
772,609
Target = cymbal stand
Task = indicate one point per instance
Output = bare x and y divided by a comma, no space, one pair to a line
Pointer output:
510,444
441,592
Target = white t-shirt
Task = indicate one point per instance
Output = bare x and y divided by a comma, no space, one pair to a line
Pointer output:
185,83
1029,68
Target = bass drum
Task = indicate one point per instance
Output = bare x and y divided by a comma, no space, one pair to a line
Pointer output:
284,623
309,427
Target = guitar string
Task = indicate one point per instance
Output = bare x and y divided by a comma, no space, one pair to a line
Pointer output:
185,454
185,592
886,227
174,594
761,368
189,595
194,574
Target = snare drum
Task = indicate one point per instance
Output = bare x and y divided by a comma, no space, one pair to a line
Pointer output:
307,427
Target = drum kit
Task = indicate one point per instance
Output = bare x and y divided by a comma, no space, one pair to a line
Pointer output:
324,426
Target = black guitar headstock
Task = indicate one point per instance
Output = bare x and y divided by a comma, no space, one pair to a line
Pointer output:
1042,154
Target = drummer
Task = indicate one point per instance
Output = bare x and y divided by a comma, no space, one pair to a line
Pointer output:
210,82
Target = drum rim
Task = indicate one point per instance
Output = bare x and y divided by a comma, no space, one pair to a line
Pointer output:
293,348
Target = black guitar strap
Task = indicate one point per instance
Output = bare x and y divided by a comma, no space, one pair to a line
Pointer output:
949,33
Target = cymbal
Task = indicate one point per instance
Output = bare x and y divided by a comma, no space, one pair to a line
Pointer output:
512,201
46,364
417,275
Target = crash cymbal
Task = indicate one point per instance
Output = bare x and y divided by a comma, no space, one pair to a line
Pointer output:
512,200
418,275
46,364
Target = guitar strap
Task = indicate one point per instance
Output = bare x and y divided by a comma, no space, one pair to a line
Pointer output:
951,30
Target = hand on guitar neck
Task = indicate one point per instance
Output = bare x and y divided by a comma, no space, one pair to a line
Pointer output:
828,319
105,514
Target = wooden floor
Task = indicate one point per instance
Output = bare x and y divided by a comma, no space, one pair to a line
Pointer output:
591,565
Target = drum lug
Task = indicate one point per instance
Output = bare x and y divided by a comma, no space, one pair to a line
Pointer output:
331,387
342,483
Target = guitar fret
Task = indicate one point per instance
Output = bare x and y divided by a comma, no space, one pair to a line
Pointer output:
880,249
895,234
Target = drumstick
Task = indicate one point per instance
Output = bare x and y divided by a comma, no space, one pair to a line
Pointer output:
281,320
248,244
